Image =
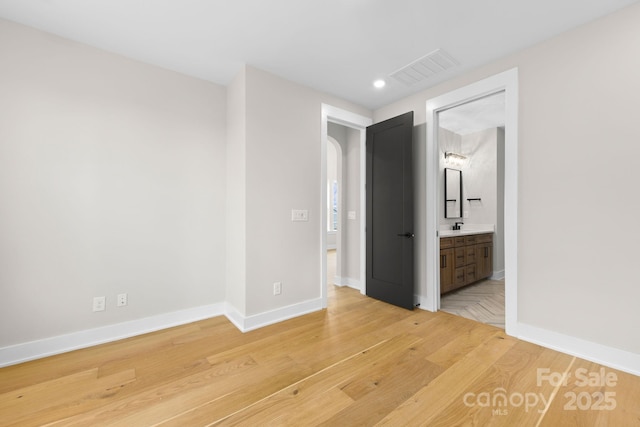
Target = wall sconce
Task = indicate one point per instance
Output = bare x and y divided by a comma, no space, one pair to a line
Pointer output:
454,159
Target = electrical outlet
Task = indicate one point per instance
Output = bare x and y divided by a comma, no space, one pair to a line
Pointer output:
99,303
277,288
122,300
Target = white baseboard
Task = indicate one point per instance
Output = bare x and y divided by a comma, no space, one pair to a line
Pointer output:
249,323
234,316
594,352
63,343
348,281
497,275
421,303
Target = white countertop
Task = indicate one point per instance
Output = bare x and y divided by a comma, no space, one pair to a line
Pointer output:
466,231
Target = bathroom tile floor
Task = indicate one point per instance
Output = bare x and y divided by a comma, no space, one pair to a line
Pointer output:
482,302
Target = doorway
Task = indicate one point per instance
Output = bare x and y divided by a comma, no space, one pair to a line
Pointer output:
506,82
335,166
352,211
471,143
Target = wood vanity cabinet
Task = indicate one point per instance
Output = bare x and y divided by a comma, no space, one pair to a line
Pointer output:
447,254
484,256
464,260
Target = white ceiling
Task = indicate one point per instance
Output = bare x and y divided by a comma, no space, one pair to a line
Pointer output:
337,46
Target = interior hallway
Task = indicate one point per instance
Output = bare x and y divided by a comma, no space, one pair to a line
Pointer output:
331,266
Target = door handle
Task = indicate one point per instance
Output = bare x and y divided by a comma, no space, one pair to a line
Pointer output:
407,235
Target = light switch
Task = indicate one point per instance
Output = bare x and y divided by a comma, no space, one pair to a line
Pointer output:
351,214
299,215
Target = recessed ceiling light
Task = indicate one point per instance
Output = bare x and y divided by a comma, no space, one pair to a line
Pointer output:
379,84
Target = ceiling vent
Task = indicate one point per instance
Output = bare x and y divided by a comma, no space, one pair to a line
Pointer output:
425,67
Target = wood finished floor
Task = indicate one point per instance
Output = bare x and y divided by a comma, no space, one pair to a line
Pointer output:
482,302
359,363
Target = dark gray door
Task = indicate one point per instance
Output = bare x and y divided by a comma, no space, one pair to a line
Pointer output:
390,211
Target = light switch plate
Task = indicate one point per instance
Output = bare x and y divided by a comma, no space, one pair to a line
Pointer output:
99,303
299,215
351,214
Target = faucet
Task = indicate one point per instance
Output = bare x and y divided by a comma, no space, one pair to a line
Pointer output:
458,226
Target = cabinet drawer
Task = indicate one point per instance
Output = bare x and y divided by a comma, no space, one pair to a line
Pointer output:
446,242
470,274
470,255
460,257
470,240
459,241
484,238
460,277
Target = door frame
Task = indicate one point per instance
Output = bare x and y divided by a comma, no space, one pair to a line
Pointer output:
355,121
506,81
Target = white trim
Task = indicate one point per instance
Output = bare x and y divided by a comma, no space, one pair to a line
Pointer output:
354,121
90,337
234,316
348,282
363,209
506,81
598,353
324,140
497,275
421,302
249,323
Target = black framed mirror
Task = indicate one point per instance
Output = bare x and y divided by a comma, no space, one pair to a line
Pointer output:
452,193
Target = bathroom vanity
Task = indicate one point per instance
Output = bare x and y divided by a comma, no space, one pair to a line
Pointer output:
465,257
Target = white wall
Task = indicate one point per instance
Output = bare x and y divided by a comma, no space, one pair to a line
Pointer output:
483,177
576,276
112,179
236,202
283,161
480,177
448,141
115,177
499,241
351,229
